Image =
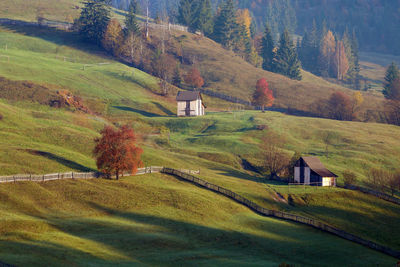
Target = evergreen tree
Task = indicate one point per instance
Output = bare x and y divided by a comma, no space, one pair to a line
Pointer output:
392,75
267,52
185,12
286,60
134,6
203,18
94,19
225,26
131,23
356,62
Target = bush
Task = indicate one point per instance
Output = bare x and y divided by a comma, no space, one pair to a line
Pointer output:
349,177
1,117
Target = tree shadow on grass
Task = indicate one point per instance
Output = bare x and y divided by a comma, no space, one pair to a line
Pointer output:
139,111
56,36
61,160
239,174
163,109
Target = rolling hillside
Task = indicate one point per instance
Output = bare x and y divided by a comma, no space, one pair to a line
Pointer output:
102,222
155,220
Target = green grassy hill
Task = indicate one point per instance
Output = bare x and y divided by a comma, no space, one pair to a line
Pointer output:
102,222
154,220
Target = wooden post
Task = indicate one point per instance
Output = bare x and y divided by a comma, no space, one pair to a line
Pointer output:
72,175
14,178
43,177
30,177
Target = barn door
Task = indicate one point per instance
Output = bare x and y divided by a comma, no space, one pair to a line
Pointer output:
187,110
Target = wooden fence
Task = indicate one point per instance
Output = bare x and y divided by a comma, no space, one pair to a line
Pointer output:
69,175
375,193
283,215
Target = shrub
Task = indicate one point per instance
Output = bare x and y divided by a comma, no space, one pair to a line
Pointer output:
349,177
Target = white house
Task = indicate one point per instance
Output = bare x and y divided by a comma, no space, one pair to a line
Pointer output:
310,171
190,103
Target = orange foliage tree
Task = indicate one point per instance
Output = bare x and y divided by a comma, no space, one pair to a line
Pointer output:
194,79
116,151
263,96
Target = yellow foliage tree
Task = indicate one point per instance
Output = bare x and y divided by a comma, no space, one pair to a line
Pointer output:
113,37
357,102
243,17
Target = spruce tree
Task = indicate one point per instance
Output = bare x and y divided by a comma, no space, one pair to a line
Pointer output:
392,74
94,19
286,61
185,12
134,6
225,26
131,23
356,62
203,18
267,52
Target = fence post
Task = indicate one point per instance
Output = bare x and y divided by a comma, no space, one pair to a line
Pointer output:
150,169
30,177
14,178
43,177
72,175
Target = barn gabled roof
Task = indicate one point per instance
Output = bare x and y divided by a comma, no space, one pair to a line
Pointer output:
188,95
316,165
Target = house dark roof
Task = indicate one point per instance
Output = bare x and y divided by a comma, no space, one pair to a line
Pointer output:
188,96
316,165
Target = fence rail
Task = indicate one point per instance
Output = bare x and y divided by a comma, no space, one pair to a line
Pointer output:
70,175
283,215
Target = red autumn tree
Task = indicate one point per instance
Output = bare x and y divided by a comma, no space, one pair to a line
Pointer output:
194,79
263,95
116,151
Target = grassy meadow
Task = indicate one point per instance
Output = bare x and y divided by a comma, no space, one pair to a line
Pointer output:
100,222
155,220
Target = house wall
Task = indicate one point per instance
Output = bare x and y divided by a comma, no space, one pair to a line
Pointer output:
328,181
307,175
297,174
196,108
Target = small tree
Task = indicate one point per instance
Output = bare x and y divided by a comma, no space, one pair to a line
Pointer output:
349,177
275,160
263,96
392,74
177,77
116,151
194,79
161,67
339,107
393,182
113,37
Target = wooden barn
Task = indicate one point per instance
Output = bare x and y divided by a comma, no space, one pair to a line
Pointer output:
190,103
311,171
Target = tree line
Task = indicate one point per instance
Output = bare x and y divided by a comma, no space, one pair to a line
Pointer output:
328,54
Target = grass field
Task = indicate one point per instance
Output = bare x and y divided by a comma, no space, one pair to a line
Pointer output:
154,220
88,223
